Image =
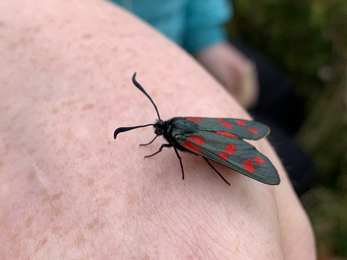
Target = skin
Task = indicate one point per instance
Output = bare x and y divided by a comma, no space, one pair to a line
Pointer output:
69,191
232,69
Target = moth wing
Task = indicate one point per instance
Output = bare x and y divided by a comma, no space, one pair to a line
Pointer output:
243,128
231,152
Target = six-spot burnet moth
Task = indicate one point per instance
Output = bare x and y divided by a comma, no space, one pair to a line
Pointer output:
217,139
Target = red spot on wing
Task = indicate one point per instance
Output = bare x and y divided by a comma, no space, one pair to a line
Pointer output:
248,166
230,148
196,139
223,155
226,124
191,147
241,122
253,130
258,160
219,119
227,134
196,119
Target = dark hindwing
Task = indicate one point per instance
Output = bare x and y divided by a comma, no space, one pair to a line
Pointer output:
227,147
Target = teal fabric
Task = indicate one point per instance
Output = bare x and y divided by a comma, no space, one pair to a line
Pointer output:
193,24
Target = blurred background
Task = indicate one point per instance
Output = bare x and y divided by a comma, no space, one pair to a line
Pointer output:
307,40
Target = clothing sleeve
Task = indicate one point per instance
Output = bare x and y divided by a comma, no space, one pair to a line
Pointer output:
205,19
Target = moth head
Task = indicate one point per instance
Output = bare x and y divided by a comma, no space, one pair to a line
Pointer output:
160,127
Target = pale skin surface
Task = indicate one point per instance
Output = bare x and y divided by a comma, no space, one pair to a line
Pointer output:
69,191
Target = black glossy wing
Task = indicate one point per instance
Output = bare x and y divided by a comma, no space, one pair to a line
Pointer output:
231,151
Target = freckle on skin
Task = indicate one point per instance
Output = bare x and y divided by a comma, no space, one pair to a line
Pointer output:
33,61
88,106
90,182
56,196
42,124
6,108
69,135
6,129
31,176
28,221
93,223
87,36
68,103
106,202
45,199
86,72
12,46
30,151
54,110
1,164
80,239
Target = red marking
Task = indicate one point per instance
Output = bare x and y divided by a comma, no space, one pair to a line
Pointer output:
240,122
230,148
196,119
226,124
248,166
227,134
196,139
253,130
223,155
258,160
191,147
219,119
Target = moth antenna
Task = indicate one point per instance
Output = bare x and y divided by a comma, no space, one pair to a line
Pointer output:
125,129
144,92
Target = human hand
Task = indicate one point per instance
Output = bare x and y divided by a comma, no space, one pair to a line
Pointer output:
232,69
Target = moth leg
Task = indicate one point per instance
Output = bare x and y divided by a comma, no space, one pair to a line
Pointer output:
161,148
179,158
216,171
150,141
